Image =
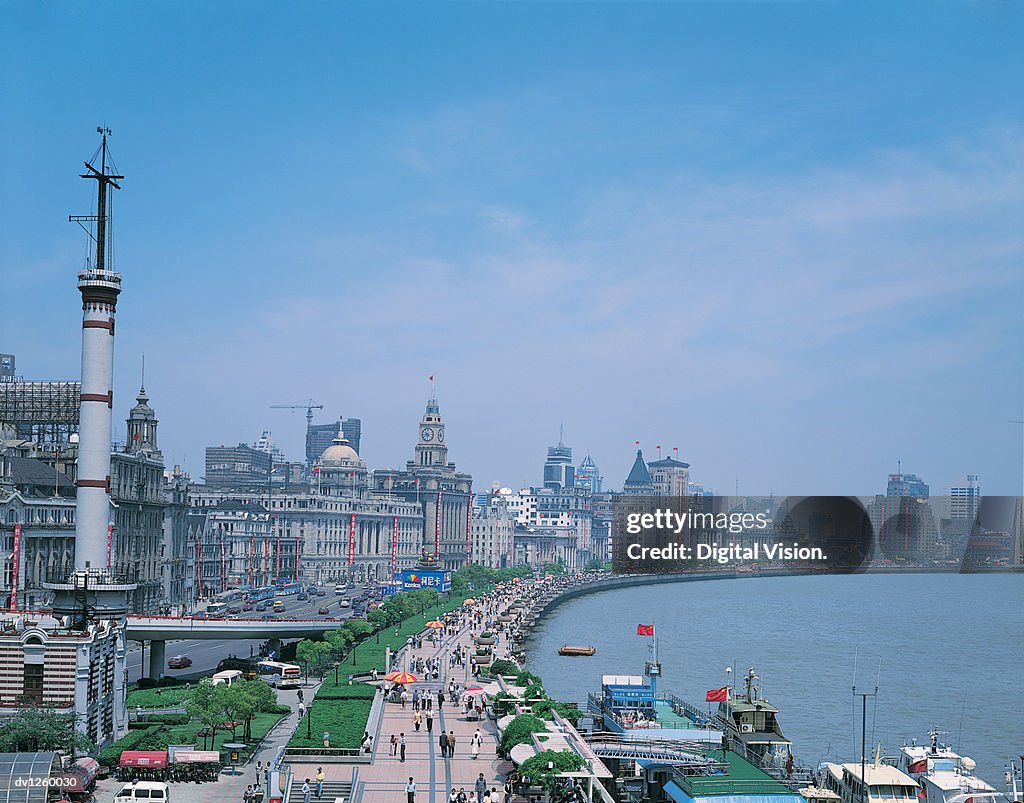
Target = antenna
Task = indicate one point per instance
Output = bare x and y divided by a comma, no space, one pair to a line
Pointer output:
144,371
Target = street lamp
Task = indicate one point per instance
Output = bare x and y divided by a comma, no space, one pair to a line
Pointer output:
309,721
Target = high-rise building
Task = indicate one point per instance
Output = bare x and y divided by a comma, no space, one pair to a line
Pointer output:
906,485
7,372
670,477
319,437
964,499
589,475
239,466
559,471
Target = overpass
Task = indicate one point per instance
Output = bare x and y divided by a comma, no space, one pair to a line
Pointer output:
158,630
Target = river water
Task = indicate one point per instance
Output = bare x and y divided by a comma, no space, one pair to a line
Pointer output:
946,649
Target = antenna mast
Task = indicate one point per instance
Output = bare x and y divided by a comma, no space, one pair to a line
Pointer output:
103,179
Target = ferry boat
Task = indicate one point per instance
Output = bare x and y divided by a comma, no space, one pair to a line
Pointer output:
884,783
944,775
666,750
571,649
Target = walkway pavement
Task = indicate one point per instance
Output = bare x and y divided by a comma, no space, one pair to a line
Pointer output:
385,779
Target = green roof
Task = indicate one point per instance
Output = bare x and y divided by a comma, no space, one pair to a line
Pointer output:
743,778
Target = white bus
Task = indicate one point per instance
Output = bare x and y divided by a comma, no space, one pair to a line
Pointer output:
278,675
339,589
216,609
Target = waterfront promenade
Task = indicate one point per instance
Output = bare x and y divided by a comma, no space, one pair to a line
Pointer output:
384,781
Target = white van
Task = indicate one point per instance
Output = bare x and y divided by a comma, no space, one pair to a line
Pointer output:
144,790
227,677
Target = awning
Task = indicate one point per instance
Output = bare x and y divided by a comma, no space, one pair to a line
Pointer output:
196,757
151,759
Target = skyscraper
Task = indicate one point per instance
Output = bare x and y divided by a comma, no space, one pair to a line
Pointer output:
559,471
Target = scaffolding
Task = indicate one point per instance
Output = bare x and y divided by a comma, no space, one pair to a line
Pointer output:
41,412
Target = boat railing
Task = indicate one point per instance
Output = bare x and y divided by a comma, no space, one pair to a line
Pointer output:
684,709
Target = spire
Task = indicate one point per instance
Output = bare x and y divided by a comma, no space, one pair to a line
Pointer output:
341,440
639,477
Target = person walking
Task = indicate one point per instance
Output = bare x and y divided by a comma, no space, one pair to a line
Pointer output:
302,709
430,721
443,743
320,778
404,697
451,744
394,744
247,795
440,699
416,719
481,786
453,796
474,748
301,698
410,791
401,748
306,791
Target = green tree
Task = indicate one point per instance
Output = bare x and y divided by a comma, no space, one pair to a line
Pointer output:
42,730
518,732
204,704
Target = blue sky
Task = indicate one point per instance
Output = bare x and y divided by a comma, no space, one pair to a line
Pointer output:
785,238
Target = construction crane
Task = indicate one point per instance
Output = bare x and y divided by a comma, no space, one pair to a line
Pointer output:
308,406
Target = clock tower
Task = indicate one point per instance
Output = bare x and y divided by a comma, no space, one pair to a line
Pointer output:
431,449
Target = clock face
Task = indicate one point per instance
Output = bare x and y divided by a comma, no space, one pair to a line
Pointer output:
427,434
440,435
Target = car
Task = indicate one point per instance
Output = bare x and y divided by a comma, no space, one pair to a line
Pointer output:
321,593
261,606
179,662
302,597
235,610
325,611
247,607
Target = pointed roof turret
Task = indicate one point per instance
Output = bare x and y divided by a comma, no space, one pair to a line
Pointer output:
639,478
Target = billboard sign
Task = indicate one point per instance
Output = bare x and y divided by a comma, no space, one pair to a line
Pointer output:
437,580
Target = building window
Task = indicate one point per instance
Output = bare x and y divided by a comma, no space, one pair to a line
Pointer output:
33,692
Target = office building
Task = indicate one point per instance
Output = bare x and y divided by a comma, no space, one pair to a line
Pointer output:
239,466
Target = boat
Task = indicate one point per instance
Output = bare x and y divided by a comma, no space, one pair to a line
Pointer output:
751,725
944,775
885,783
571,649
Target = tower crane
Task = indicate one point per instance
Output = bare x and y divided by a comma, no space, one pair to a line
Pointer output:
308,406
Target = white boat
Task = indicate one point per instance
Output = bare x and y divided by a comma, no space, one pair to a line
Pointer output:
885,783
944,775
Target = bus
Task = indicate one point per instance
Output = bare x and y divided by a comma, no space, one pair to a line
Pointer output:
216,609
247,666
260,594
287,589
278,675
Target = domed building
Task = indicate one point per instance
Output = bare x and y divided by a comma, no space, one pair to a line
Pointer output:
340,471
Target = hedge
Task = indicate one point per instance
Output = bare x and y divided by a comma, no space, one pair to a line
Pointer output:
345,719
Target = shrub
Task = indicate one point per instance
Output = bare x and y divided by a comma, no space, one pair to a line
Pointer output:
504,667
148,739
545,707
518,732
535,769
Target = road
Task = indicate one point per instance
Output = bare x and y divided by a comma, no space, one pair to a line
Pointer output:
206,653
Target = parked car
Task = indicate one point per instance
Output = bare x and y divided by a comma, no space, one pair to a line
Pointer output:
179,662
325,611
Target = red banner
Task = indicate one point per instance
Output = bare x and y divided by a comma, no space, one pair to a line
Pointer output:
437,527
223,566
277,554
352,539
199,567
645,630
394,545
469,529
110,541
15,559
717,695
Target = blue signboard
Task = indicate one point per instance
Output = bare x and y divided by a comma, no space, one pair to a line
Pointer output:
437,580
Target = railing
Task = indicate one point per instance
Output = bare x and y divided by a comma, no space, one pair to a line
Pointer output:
684,708
704,785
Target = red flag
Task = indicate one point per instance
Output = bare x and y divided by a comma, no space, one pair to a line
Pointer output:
717,695
431,377
922,794
637,442
918,766
645,630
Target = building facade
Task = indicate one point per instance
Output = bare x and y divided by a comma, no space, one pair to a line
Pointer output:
239,466
442,492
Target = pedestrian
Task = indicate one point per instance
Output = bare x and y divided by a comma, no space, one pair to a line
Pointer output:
247,795
394,744
301,698
461,797
481,786
306,791
320,778
440,699
494,794
266,773
404,697
487,797
410,791
416,718
453,796
451,743
259,770
508,790
474,748
302,709
401,747
430,721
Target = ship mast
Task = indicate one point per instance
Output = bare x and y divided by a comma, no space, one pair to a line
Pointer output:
103,179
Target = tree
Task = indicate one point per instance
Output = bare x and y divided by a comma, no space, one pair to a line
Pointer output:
42,730
204,704
518,732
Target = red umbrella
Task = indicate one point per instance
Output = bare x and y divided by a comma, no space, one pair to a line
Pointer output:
401,677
